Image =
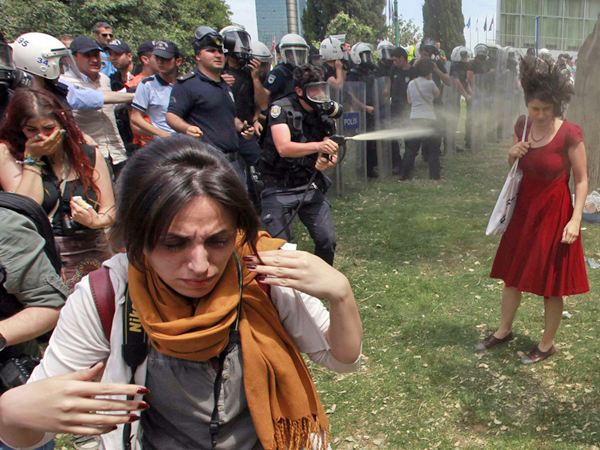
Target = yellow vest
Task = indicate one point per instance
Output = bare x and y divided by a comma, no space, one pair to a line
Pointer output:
411,53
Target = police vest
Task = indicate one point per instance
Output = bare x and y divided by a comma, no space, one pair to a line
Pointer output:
411,53
292,172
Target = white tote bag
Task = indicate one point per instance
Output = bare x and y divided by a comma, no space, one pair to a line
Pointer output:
507,199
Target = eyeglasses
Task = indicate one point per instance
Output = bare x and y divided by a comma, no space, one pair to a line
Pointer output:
107,35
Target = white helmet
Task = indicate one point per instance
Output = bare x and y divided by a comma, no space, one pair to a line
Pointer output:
481,50
493,50
361,53
242,38
261,52
331,49
384,49
43,55
293,49
459,52
544,54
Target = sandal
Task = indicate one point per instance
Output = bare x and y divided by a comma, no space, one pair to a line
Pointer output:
491,341
536,355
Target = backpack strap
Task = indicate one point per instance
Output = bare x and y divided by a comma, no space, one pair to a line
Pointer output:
104,297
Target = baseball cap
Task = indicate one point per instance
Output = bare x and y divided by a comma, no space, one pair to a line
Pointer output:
146,46
165,49
118,46
83,44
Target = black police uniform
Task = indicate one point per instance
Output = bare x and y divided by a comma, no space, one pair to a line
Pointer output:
364,74
280,82
329,71
458,70
210,106
286,179
243,93
400,108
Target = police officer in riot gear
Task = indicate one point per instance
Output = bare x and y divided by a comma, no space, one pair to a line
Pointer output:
333,66
460,58
261,52
364,71
294,53
384,54
292,161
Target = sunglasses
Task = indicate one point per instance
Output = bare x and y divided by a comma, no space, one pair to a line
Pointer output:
107,35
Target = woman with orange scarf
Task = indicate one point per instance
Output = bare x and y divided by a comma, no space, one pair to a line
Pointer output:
227,311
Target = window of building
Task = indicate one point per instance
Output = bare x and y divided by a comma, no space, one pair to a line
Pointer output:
553,8
574,8
511,30
510,6
592,9
532,7
551,32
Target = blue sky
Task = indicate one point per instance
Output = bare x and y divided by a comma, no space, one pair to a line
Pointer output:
244,13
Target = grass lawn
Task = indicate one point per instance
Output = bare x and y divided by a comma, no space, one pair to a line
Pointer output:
418,258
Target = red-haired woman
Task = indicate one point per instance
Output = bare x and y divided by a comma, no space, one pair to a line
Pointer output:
43,156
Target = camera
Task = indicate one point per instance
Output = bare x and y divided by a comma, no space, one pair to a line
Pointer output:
68,225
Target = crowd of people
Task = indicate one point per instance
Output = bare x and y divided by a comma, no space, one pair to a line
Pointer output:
156,184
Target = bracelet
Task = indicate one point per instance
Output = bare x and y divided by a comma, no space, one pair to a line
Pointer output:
30,169
29,161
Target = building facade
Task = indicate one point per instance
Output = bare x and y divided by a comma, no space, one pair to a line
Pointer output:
272,19
563,26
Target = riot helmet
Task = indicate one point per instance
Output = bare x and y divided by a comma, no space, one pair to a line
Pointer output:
460,54
384,50
545,55
43,55
429,45
207,37
261,52
315,90
331,49
294,50
242,48
481,52
361,53
493,51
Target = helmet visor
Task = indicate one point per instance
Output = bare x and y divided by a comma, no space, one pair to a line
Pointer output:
317,92
296,56
67,64
242,42
365,57
6,59
386,53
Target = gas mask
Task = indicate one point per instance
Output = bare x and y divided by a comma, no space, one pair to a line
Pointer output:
317,96
10,76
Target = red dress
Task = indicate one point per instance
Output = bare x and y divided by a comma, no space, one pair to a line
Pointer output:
531,257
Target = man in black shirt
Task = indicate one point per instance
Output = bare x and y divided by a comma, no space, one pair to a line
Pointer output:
401,74
335,75
202,104
294,53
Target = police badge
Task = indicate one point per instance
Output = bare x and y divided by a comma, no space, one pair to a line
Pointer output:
275,111
271,79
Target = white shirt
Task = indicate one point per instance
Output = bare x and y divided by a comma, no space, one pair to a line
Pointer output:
100,124
78,342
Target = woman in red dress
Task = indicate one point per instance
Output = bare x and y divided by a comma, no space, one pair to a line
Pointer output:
541,250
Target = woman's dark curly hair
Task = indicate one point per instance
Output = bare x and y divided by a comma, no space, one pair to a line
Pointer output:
545,82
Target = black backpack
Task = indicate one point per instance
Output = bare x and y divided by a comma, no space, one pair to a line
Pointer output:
33,211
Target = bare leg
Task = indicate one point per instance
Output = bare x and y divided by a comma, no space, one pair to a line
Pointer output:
511,300
552,315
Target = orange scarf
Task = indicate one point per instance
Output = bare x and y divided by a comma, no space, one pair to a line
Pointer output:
282,399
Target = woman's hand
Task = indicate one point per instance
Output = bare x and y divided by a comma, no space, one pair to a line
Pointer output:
38,146
86,216
519,150
571,231
302,271
66,404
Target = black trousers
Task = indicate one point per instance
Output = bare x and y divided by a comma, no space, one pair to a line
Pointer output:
429,145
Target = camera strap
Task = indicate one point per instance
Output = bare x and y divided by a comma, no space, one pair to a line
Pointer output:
234,338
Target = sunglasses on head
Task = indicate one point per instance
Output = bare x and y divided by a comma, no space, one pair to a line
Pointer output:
107,35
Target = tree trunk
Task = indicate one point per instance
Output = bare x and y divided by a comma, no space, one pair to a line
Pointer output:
584,104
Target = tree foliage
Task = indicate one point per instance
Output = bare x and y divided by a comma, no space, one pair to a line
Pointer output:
443,20
407,32
133,21
319,14
354,30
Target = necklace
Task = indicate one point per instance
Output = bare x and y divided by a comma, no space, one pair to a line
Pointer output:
547,131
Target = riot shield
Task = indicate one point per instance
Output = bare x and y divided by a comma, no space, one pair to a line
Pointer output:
351,173
382,115
478,110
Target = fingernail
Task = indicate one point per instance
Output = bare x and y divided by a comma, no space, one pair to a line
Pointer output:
94,365
143,391
261,277
39,136
114,428
143,406
248,258
251,266
64,131
133,418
